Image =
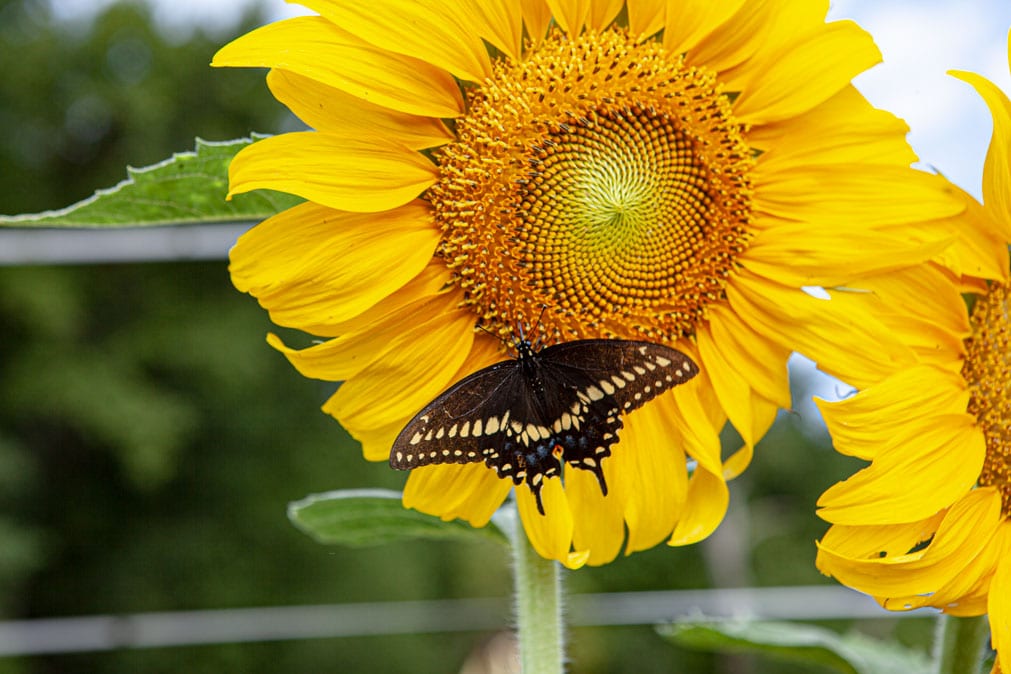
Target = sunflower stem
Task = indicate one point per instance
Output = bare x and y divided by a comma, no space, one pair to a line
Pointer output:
538,591
960,644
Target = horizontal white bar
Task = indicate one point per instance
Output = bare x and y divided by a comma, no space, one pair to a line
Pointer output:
118,245
180,628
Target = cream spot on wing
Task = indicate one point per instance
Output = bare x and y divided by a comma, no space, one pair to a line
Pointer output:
491,427
416,438
428,436
628,375
618,381
639,370
663,362
452,431
594,393
607,386
477,428
465,429
439,433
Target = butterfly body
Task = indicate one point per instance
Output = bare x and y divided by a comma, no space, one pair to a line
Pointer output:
526,417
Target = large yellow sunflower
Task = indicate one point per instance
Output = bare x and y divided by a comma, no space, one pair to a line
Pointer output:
928,522
670,171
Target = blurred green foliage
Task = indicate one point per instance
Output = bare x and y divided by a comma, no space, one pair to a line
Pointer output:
150,441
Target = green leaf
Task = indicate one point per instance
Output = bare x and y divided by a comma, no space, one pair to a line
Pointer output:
361,517
850,653
187,188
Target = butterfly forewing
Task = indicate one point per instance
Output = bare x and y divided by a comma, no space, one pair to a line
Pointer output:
524,417
462,423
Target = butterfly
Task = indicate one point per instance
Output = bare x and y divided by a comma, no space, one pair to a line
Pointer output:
527,417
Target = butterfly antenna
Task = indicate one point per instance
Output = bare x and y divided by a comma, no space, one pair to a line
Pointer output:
539,338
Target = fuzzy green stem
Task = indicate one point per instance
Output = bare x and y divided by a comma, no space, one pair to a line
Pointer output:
960,644
538,591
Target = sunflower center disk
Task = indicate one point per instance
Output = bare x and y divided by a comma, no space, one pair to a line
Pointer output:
600,178
987,370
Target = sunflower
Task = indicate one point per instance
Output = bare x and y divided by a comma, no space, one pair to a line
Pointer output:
674,172
928,522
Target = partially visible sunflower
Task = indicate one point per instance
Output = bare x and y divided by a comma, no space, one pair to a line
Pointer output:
670,171
928,522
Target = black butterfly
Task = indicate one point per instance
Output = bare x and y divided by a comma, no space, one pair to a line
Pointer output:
526,416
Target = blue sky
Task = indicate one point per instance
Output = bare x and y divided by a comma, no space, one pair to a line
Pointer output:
920,40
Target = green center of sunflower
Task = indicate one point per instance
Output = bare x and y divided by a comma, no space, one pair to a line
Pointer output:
987,370
601,179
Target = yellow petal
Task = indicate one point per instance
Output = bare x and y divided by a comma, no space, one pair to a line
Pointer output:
650,478
550,534
696,403
602,13
861,425
502,25
864,196
376,442
965,592
856,560
432,280
598,524
917,472
423,368
470,492
734,361
311,264
439,33
812,326
736,40
935,330
708,498
802,255
345,356
360,175
689,21
570,15
981,247
536,18
825,61
845,129
999,610
997,168
646,17
316,48
327,109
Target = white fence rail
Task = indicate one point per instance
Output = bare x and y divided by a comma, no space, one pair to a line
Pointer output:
103,246
182,628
